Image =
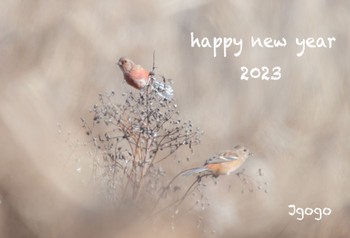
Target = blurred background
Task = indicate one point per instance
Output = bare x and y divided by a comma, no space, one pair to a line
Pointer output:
57,56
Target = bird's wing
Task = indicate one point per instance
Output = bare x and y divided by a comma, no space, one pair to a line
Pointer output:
222,158
164,90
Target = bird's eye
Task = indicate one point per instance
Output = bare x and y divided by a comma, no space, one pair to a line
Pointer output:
245,150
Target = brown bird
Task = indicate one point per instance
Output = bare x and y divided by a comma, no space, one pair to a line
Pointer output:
223,163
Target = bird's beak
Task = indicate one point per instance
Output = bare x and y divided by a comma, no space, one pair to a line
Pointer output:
251,154
119,63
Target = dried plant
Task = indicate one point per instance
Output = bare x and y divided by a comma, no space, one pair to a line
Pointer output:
131,141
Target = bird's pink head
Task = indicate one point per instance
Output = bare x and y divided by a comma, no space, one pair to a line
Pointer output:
125,64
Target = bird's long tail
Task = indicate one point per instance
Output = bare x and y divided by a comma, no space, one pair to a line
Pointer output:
163,89
190,172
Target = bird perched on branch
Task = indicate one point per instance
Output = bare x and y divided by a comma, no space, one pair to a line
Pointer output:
138,77
224,163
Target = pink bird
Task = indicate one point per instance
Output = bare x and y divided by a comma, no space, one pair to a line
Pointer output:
138,77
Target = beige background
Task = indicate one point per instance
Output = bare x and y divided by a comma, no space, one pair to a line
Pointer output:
56,56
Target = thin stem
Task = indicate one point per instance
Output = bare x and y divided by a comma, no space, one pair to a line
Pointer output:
180,200
154,60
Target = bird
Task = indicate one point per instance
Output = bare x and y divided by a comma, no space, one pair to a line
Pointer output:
138,77
224,163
